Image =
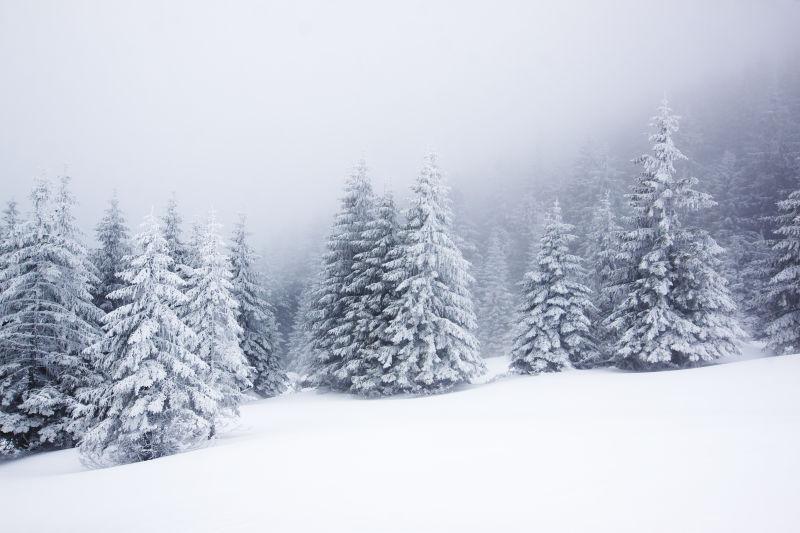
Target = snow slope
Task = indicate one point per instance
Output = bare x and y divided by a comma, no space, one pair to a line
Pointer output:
714,449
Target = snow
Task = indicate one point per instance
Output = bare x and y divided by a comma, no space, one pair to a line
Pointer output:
713,449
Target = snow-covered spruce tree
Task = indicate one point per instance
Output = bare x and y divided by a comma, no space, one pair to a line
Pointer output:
782,298
171,221
301,341
378,291
495,303
157,401
259,338
112,234
338,301
211,311
675,309
431,332
47,319
554,330
602,247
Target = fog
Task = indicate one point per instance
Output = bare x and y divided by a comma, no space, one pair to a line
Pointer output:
262,107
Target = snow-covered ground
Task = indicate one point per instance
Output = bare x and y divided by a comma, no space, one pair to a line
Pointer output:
714,449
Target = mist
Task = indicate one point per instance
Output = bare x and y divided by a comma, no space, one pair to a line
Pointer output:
264,107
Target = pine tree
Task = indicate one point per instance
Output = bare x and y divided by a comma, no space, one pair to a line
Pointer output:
157,402
554,329
301,340
211,312
174,236
782,297
495,303
333,316
47,319
378,293
109,258
676,310
601,253
433,321
259,339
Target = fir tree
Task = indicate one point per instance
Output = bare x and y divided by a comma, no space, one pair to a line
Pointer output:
112,234
301,340
554,329
157,402
334,325
259,339
47,319
782,297
676,309
211,312
173,234
602,248
495,303
378,293
431,332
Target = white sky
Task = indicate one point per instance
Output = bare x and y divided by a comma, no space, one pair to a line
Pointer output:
264,106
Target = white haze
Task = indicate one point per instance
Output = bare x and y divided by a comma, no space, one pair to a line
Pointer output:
263,107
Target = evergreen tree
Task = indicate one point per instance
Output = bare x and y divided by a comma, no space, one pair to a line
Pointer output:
782,297
378,293
495,303
602,248
173,234
676,309
301,340
47,319
157,402
338,300
211,312
554,329
431,332
112,234
259,339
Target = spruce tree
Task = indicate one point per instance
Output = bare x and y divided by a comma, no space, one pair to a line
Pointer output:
157,401
336,304
554,330
431,332
211,311
495,303
173,234
601,254
259,338
378,293
782,298
301,354
47,319
676,310
109,258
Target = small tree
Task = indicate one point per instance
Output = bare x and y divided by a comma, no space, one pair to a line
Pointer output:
259,339
782,297
554,330
433,345
496,303
112,234
211,311
157,402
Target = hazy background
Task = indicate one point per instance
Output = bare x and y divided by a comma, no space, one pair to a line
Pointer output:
263,107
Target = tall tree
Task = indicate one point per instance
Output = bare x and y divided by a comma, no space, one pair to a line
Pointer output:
157,401
173,234
554,330
337,301
495,307
211,311
434,347
782,297
47,319
259,338
109,257
676,309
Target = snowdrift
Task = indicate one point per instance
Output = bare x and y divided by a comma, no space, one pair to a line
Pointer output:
709,450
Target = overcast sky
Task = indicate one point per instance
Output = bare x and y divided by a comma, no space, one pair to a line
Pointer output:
263,106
